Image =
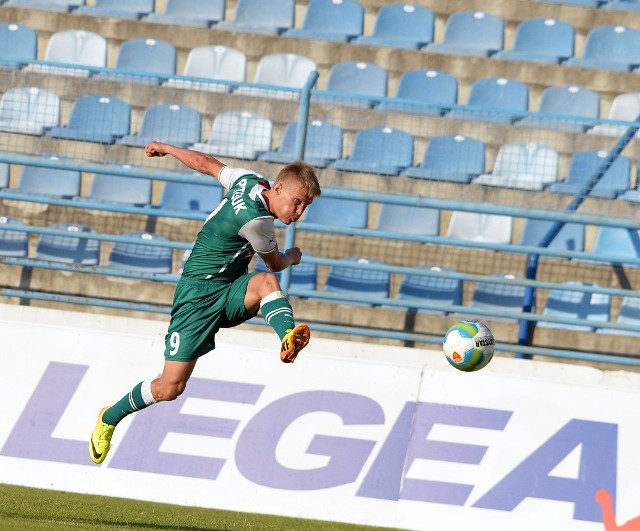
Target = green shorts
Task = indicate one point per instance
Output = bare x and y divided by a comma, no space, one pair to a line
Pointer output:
200,309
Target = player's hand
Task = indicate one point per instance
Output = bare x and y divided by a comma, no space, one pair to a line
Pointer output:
155,149
294,255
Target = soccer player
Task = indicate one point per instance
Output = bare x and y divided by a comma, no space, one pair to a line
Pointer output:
215,289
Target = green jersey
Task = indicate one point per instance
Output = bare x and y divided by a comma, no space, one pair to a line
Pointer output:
238,227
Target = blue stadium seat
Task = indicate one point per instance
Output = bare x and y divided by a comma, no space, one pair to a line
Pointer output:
336,212
96,119
471,33
565,100
322,145
610,48
430,92
18,45
624,108
4,175
77,48
525,166
258,16
619,242
125,9
542,40
53,182
29,110
584,164
280,70
477,227
358,78
303,276
360,281
240,135
454,158
570,303
120,189
12,242
68,249
47,5
202,13
491,296
406,219
212,63
431,289
139,257
570,237
331,20
629,314
379,150
401,26
144,56
579,3
167,123
622,5
495,99
191,196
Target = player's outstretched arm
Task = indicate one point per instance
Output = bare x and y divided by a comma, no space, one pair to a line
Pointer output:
195,160
277,260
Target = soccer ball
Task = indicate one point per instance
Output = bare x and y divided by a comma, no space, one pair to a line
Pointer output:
468,345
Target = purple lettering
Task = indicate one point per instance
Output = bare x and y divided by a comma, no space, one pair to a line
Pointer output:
256,448
140,447
531,478
31,436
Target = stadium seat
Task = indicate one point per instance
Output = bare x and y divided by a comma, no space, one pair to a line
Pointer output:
13,242
495,99
212,63
471,33
53,182
438,290
541,40
566,101
525,166
490,296
29,110
204,13
47,5
583,166
303,275
120,189
138,57
68,249
125,9
454,158
625,108
430,92
257,16
406,219
359,79
4,175
337,212
610,48
401,26
570,303
191,196
379,150
241,135
76,48
167,123
359,281
323,144
18,45
96,119
331,20
473,226
622,5
619,242
280,70
579,3
629,314
570,237
139,257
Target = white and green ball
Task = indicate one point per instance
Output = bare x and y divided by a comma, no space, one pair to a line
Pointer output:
468,345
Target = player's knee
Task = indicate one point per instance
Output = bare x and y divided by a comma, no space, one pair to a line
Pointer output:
269,282
169,391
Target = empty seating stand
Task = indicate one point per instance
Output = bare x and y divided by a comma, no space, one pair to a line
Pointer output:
29,110
541,40
331,20
401,26
471,33
204,13
258,16
173,124
18,45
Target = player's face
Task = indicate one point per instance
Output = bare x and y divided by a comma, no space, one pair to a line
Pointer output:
292,202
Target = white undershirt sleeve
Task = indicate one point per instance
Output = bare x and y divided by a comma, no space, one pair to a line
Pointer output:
260,233
228,176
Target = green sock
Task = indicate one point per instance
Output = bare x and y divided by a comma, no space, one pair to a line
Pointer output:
277,311
138,398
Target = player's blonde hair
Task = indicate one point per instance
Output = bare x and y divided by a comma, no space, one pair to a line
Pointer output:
305,174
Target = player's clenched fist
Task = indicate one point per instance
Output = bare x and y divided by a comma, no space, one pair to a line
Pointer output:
155,149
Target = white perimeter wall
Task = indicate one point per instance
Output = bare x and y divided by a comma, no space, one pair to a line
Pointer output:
350,432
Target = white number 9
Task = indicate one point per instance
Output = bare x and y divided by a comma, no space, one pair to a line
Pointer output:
174,343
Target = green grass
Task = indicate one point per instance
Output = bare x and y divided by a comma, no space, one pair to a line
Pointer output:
26,509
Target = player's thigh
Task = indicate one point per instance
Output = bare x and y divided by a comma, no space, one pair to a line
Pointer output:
177,372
